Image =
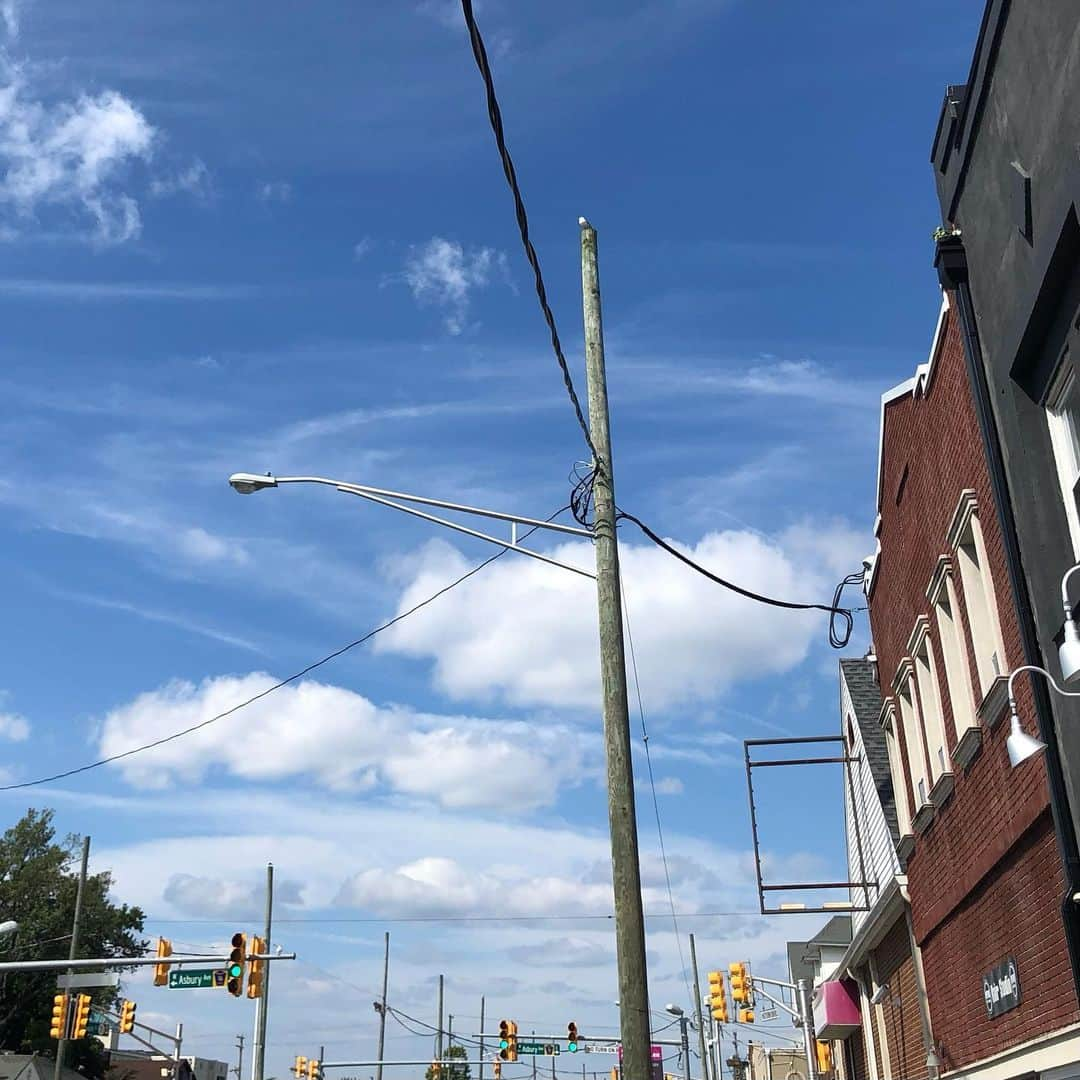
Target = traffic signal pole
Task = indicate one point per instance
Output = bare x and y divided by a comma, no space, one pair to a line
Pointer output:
262,1003
622,817
73,951
697,1010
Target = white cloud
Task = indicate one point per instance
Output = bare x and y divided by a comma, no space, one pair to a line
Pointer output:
362,247
71,155
195,180
14,727
9,12
525,632
37,288
443,273
270,191
347,742
211,897
669,785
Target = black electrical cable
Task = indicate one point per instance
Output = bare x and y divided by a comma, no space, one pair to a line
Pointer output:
495,116
277,686
837,641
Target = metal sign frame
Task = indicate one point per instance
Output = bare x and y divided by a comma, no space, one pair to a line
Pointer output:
799,886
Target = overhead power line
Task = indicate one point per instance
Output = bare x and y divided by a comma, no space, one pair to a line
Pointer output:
422,919
495,116
270,689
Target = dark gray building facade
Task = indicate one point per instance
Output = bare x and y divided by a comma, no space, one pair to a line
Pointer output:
1006,161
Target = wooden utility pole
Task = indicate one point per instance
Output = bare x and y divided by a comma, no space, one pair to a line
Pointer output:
73,953
438,1039
625,867
382,1004
697,1010
239,1056
481,1077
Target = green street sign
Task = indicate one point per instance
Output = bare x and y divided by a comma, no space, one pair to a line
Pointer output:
198,979
545,1049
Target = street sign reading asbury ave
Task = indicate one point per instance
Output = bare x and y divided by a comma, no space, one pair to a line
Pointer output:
199,979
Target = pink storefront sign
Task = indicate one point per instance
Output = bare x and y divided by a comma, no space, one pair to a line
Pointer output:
836,1010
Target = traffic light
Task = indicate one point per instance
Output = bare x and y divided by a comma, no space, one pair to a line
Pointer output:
742,986
436,1068
572,1037
299,1066
234,970
59,1016
256,968
161,971
497,1069
824,1056
313,1070
746,1016
508,1040
718,996
127,1016
82,1016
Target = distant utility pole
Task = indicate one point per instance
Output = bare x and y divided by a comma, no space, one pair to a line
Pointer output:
481,1076
382,1005
262,1004
697,1010
438,1039
73,951
625,866
239,1056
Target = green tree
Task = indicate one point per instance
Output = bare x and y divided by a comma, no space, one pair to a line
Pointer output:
38,880
449,1071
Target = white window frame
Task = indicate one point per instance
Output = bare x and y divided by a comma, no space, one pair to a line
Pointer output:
928,704
896,767
1065,440
980,598
904,687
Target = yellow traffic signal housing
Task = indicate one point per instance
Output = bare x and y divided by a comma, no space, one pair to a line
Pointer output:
161,971
572,1038
436,1068
718,996
256,969
127,1017
312,1069
497,1069
508,1040
59,1016
234,970
746,1016
82,1016
299,1066
740,982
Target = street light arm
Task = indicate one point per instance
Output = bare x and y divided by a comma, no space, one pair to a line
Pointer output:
1041,671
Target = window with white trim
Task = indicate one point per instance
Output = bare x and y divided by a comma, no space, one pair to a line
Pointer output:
913,740
981,602
1063,418
896,767
954,657
933,717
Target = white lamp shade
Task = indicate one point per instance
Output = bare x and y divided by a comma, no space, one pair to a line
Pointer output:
1069,654
1020,745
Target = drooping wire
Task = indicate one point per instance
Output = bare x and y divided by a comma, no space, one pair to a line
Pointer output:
836,640
495,116
690,995
276,686
582,476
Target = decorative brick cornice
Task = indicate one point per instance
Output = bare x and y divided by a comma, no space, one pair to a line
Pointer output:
939,579
967,747
993,705
966,509
904,672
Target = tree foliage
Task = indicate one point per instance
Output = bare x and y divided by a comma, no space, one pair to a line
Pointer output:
38,881
450,1071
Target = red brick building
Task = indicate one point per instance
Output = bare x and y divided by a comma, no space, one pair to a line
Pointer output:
975,837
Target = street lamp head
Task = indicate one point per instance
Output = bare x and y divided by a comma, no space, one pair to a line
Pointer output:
1019,744
245,483
673,1009
1069,653
8,927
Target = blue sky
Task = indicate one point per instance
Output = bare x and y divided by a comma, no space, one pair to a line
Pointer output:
255,237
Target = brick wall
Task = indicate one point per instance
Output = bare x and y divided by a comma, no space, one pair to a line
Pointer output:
903,1028
996,816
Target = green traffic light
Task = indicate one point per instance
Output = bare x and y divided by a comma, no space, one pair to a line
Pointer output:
504,1044
235,971
572,1047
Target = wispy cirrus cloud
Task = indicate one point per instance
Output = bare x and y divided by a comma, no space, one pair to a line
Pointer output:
44,289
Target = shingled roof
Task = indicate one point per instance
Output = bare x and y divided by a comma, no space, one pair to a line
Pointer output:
865,695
